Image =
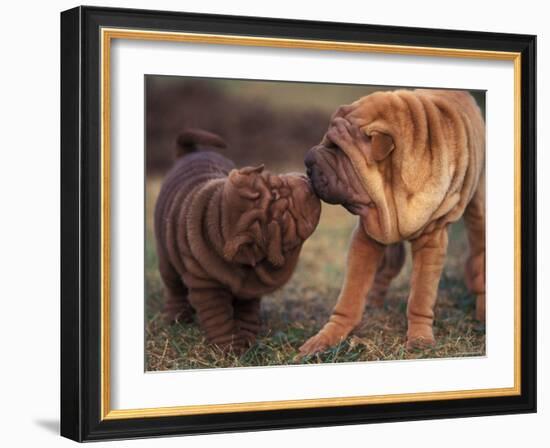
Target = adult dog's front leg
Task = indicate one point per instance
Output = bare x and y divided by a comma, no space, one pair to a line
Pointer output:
363,258
428,253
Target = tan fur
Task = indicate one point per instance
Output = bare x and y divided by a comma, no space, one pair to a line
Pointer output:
409,163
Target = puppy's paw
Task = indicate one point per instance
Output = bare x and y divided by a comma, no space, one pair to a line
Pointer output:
234,346
178,314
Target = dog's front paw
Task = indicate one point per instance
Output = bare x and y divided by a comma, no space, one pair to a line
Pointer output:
420,337
234,344
316,344
331,335
177,313
420,343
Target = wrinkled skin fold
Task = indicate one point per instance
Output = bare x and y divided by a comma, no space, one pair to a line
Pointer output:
408,164
226,237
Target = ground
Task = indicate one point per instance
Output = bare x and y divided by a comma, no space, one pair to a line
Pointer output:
300,309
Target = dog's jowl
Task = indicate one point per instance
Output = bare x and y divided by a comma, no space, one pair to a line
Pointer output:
408,163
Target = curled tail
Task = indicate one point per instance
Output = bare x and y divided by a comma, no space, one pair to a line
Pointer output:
192,140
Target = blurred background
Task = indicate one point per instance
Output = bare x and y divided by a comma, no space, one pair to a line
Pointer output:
262,121
275,123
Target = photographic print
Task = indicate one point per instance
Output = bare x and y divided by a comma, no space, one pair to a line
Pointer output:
293,223
342,212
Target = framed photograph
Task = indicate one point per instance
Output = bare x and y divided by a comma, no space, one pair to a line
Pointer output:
276,224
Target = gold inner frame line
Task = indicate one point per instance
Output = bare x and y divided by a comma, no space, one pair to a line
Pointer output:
107,35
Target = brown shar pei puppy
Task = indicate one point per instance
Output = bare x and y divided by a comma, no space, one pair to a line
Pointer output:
227,236
408,163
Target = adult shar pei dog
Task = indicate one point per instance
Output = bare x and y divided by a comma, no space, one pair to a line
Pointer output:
408,163
226,237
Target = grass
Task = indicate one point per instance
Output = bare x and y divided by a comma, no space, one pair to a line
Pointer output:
300,309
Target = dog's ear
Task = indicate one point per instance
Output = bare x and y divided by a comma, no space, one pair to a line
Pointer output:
244,181
244,246
247,170
381,145
275,245
239,249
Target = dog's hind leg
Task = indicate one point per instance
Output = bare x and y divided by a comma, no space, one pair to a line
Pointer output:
388,269
247,317
176,304
474,218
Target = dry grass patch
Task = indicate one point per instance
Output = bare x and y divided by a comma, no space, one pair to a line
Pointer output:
299,310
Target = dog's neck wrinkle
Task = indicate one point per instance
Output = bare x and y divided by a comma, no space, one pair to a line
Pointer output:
213,220
445,126
391,209
217,267
353,177
266,277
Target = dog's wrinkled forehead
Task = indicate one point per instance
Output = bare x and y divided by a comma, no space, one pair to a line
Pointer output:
367,109
262,220
279,186
256,182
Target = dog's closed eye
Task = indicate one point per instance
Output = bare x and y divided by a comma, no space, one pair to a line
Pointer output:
328,143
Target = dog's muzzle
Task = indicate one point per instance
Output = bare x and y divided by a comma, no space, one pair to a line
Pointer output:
321,168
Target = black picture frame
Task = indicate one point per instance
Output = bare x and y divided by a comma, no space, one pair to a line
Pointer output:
81,224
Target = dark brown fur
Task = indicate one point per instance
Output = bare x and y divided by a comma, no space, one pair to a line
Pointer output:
226,237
